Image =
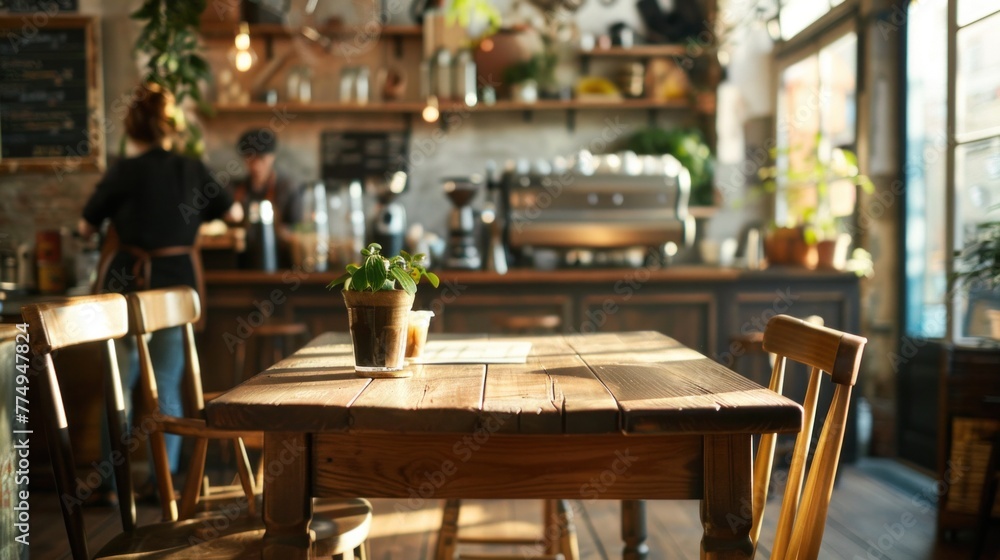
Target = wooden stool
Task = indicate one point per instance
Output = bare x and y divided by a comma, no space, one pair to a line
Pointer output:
561,544
282,339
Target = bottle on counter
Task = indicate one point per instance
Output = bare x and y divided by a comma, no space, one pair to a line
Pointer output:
48,257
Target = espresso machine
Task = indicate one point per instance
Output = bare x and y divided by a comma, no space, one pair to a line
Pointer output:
388,226
463,248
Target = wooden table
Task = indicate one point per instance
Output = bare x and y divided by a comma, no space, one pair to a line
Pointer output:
624,416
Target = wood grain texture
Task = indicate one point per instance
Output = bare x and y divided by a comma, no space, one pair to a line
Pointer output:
663,387
802,518
287,503
75,321
154,310
430,467
832,351
640,382
310,390
726,511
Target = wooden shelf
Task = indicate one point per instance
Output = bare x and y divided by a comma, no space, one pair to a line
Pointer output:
638,51
415,107
277,30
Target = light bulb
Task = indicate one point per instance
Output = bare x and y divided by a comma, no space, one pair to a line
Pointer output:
244,60
243,37
431,112
242,41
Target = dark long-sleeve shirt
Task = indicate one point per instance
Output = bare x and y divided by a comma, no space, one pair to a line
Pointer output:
156,200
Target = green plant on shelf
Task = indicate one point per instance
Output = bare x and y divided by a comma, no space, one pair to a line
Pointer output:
170,39
690,149
380,273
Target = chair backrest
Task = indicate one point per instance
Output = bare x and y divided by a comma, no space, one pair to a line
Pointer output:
52,326
164,308
807,495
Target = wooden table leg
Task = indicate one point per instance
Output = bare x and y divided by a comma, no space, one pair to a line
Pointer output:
634,530
726,508
287,500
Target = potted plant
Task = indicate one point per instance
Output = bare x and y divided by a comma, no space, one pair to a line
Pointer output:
690,148
810,236
977,269
379,294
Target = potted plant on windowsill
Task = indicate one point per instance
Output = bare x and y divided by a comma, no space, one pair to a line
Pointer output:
379,294
821,176
977,269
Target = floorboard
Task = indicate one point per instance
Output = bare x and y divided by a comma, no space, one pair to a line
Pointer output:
881,510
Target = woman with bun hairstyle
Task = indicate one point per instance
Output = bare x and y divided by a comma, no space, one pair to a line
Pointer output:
156,200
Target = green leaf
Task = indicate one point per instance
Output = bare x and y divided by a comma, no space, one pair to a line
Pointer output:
339,280
433,279
406,256
374,271
404,280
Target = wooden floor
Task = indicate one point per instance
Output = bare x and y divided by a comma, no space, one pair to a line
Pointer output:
866,521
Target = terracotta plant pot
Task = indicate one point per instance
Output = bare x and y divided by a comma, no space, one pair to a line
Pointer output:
779,245
379,322
831,254
804,254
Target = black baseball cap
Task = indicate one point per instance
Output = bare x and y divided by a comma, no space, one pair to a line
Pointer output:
257,141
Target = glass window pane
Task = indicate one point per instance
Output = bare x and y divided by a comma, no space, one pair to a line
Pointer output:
796,15
797,136
838,64
971,10
926,248
977,170
978,79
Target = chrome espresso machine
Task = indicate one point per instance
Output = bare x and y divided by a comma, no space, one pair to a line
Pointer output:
612,210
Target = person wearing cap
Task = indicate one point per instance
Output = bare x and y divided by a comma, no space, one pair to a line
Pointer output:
263,181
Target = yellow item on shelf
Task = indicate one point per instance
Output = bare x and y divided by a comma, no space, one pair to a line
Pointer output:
593,87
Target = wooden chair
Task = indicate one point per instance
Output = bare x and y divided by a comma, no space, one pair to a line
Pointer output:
807,496
156,310
102,318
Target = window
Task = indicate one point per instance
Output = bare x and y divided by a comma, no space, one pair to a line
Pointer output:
816,114
953,179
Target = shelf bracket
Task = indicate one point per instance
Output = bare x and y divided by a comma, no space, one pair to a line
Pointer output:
570,120
397,43
584,64
408,125
443,120
527,115
652,117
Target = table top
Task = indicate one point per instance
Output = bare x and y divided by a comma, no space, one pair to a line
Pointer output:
632,383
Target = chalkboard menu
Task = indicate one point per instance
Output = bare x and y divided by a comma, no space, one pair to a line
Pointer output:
50,102
357,155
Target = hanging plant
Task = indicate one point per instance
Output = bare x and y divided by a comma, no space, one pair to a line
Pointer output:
170,39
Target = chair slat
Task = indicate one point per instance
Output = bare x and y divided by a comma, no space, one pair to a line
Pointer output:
834,352
155,310
807,493
76,321
797,470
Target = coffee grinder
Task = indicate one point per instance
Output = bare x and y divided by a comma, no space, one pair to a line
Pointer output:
389,223
463,251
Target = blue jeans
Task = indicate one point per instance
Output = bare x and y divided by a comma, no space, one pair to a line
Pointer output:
166,349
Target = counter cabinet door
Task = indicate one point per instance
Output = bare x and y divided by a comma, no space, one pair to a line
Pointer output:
688,317
501,314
